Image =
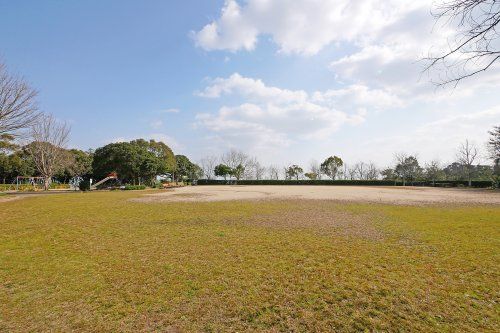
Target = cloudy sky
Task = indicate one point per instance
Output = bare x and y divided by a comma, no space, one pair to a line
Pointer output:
286,81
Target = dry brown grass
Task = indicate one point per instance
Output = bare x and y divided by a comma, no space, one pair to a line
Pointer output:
99,262
322,217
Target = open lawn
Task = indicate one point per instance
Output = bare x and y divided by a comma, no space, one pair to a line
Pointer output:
103,262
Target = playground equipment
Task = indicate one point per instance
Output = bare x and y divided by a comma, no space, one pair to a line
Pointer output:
112,175
29,183
74,183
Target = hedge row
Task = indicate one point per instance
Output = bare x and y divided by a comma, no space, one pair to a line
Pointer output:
134,187
451,183
28,187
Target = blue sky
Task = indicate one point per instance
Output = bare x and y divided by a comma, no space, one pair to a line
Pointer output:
284,82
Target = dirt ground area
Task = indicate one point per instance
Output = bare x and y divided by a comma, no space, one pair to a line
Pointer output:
381,194
5,198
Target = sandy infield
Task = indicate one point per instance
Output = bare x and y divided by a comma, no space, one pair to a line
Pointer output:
397,195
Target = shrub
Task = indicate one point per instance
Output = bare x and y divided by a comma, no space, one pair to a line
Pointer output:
7,187
134,187
21,187
59,186
84,185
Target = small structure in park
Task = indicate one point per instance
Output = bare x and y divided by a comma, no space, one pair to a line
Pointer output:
24,183
112,175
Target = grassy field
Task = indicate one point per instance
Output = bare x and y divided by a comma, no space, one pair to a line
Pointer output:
97,262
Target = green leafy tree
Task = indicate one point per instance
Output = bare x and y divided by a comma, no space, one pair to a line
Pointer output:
494,149
494,143
433,172
150,167
14,161
122,158
238,171
407,168
162,151
7,144
331,166
454,171
389,174
166,162
222,170
5,167
196,172
79,164
311,175
294,171
135,162
186,169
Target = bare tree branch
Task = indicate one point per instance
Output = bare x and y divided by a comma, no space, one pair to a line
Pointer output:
475,48
18,108
208,165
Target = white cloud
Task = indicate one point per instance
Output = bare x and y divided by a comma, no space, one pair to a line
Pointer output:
233,31
251,89
392,59
357,95
299,26
272,116
388,38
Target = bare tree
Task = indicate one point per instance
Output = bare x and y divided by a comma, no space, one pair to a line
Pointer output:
467,154
372,172
259,171
315,168
208,164
274,172
49,137
344,173
351,172
251,168
233,158
18,109
475,48
360,168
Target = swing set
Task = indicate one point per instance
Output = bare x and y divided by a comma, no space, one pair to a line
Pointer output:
29,183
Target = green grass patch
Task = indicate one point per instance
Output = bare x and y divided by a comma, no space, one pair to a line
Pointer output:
98,262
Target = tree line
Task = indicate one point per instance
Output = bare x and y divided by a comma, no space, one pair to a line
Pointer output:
236,165
138,162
